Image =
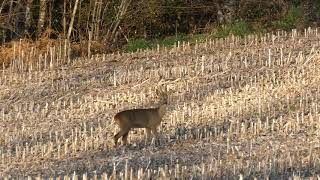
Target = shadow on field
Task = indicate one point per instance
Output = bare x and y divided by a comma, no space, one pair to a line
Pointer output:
185,146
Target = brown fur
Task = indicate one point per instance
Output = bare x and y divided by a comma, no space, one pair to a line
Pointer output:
149,119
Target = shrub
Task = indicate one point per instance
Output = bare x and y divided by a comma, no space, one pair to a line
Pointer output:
136,44
292,19
239,28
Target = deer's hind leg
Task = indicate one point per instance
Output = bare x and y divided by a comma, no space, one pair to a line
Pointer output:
125,138
155,132
124,133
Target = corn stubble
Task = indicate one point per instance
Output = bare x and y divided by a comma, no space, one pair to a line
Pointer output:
240,108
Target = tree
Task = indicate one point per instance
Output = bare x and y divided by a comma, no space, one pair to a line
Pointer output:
72,18
42,15
115,24
28,16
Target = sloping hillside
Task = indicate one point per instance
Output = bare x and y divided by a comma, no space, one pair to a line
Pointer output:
239,108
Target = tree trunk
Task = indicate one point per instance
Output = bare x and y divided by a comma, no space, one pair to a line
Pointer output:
42,15
220,17
20,18
115,24
64,23
226,11
2,5
50,10
72,18
28,16
10,19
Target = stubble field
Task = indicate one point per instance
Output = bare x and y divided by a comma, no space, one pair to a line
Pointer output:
239,108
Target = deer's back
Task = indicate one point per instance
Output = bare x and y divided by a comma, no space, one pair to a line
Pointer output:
138,118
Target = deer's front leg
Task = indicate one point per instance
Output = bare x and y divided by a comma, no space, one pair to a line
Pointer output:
148,133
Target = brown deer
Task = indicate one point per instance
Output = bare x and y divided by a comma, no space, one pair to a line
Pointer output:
149,119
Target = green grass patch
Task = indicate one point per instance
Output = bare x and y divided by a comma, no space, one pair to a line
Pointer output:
136,44
239,28
292,19
141,44
171,40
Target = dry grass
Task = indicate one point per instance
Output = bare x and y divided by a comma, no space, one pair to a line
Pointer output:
26,55
241,108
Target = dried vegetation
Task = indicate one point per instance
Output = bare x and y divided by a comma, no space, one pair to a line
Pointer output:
241,108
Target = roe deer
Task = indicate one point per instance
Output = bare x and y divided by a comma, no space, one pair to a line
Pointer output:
149,119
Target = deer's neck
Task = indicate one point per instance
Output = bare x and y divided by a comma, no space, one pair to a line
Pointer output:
162,110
